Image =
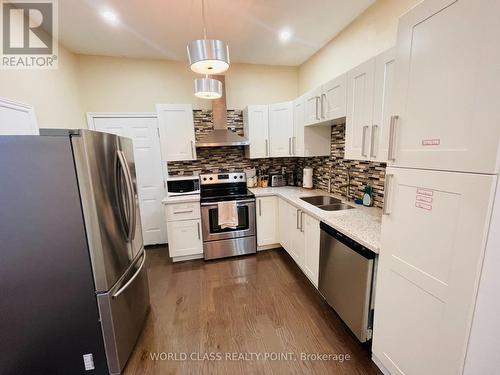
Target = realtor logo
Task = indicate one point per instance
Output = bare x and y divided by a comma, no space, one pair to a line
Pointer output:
29,31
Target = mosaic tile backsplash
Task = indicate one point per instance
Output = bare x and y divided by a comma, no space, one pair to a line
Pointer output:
227,159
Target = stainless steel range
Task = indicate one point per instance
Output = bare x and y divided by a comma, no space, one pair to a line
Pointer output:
220,242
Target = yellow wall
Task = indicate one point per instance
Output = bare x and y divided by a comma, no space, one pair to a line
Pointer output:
54,93
121,84
371,33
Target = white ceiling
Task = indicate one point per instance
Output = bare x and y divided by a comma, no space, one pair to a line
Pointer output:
162,28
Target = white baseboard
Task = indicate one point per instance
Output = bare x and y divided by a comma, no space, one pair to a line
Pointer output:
187,257
380,365
269,247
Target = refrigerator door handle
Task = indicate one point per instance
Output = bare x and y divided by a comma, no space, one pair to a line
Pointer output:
387,187
131,196
134,276
124,212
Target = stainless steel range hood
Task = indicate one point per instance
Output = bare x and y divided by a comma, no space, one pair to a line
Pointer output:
221,135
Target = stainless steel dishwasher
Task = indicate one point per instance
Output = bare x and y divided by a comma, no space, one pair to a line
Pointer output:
346,277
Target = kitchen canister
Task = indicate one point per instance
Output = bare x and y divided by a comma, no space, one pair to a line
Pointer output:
307,178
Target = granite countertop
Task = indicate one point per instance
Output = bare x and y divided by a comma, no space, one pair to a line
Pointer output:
181,199
362,224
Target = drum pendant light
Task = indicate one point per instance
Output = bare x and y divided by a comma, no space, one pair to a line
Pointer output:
208,56
207,88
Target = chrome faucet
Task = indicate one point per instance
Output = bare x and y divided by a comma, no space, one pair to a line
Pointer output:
347,185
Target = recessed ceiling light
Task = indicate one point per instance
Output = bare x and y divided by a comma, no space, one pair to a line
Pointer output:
110,17
285,35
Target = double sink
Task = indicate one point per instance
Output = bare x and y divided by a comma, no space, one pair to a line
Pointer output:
327,203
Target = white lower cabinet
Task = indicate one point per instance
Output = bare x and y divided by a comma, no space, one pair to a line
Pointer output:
267,221
311,248
184,231
433,240
299,235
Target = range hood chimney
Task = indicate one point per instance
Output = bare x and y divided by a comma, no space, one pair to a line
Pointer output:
221,135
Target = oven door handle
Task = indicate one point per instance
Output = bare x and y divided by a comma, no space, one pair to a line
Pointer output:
237,202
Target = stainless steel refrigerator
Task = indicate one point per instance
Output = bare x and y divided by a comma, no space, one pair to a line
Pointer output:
73,284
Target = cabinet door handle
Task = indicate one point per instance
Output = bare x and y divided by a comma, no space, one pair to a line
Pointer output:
290,146
387,187
192,149
297,220
323,96
392,138
182,211
267,147
317,107
363,141
302,221
198,226
294,141
260,207
372,143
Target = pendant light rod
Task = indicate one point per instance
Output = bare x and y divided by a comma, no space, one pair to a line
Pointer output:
204,19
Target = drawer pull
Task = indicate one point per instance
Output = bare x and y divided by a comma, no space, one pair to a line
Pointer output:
183,211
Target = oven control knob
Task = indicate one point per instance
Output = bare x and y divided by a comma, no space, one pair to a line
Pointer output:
204,178
235,177
241,177
211,178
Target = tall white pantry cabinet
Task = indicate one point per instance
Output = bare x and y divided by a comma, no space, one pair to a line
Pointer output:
432,311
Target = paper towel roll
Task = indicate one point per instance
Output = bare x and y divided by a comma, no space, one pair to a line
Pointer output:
307,178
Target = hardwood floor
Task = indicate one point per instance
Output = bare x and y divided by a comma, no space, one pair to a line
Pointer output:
251,305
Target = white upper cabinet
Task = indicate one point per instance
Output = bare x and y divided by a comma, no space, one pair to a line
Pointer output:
312,106
360,81
326,102
433,239
281,129
383,104
298,127
176,131
17,118
447,85
333,99
256,128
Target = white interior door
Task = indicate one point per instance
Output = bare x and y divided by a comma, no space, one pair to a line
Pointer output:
448,80
143,129
17,118
432,247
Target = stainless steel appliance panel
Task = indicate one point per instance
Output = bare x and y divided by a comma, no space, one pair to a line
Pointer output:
49,315
127,147
211,232
123,311
229,248
345,280
108,203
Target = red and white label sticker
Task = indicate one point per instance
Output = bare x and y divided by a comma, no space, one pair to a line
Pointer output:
431,142
424,206
424,199
427,192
